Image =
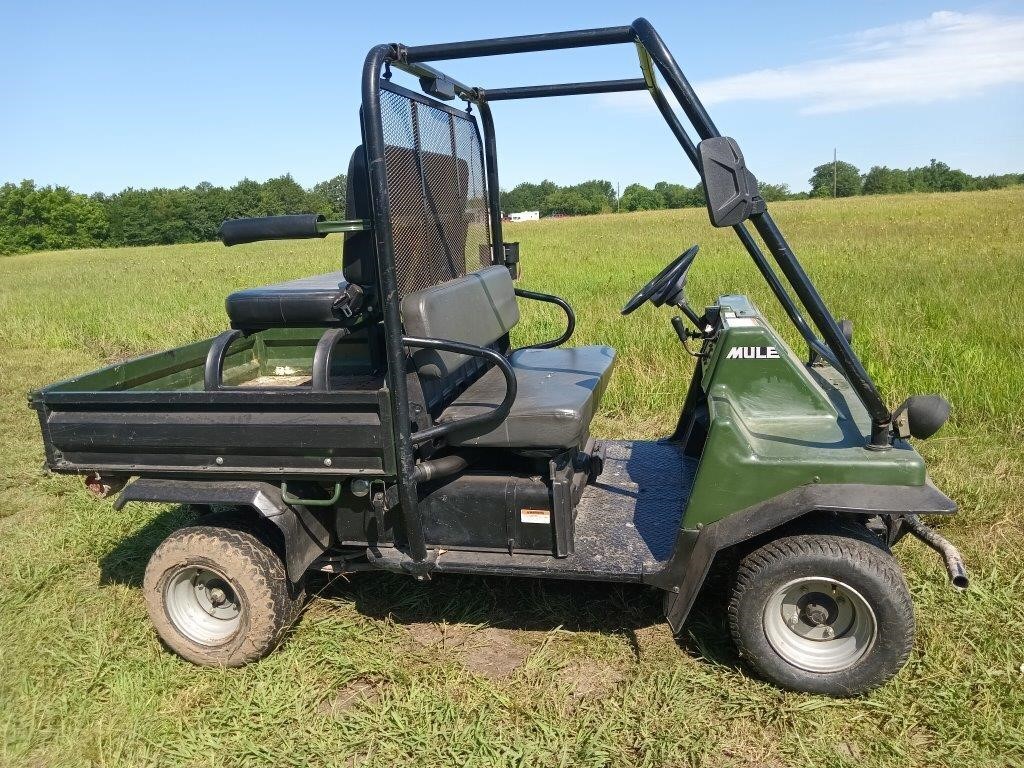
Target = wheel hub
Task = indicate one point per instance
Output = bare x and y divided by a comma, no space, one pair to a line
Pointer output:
202,605
819,624
817,609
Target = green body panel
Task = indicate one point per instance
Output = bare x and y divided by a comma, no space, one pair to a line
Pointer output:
776,423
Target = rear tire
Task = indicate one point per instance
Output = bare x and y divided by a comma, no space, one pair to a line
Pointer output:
823,614
218,596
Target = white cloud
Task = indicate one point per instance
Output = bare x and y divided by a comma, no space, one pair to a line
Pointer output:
945,56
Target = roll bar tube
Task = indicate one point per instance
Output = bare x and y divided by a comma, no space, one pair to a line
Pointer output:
493,188
652,49
373,144
654,54
565,89
483,421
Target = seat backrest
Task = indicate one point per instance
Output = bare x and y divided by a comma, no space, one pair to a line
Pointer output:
359,258
479,308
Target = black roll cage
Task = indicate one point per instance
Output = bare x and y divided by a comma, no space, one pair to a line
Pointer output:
653,56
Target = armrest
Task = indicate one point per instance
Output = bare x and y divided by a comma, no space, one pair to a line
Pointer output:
569,314
486,420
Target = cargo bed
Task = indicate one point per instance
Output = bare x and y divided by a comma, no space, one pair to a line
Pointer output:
158,415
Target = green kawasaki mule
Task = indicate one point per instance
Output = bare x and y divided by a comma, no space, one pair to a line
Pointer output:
377,418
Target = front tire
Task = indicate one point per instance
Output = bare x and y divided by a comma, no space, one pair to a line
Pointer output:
217,596
822,614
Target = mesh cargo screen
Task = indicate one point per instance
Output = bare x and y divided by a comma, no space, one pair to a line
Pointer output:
437,192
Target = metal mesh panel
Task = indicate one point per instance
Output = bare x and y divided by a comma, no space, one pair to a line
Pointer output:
437,192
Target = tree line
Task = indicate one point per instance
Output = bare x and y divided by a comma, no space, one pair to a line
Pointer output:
34,218
840,179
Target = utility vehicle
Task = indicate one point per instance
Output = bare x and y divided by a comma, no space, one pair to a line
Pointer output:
377,418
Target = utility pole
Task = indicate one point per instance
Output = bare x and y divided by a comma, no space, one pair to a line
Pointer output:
834,177
617,196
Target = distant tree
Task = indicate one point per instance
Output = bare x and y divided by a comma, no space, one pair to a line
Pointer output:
244,199
847,180
43,218
937,176
881,180
998,181
637,197
334,192
283,195
774,192
599,191
956,181
527,196
570,202
206,206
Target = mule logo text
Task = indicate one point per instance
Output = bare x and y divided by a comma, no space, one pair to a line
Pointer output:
753,353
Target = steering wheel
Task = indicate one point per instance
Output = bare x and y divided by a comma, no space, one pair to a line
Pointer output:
661,287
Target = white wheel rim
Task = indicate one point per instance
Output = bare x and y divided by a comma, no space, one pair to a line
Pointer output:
819,624
202,605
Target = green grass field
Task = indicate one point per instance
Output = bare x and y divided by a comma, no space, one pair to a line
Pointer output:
383,671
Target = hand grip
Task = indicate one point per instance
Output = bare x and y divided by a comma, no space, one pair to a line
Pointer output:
297,227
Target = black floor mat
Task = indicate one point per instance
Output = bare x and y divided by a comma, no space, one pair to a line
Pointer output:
629,518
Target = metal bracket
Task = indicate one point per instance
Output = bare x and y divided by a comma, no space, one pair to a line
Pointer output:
289,498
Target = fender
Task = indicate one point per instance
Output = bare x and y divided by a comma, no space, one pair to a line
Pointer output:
696,549
305,536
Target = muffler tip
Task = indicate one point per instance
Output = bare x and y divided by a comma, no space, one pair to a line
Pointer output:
958,577
951,557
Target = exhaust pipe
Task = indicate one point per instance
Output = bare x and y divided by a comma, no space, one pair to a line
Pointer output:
950,555
437,468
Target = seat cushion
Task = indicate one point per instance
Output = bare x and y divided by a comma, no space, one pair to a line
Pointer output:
558,393
307,301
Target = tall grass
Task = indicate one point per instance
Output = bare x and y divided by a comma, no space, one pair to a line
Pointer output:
932,284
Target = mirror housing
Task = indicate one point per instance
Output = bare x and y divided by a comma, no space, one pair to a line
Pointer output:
920,416
730,189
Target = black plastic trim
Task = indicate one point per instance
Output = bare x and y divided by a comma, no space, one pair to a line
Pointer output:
696,550
305,536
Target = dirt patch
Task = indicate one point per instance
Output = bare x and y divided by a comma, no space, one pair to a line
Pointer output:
590,679
654,639
490,652
493,653
356,693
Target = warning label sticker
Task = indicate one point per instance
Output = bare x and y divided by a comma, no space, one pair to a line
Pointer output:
535,516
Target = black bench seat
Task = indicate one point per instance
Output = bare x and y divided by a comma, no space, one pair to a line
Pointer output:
558,392
308,301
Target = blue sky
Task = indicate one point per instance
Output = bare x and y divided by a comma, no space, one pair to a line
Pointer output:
101,96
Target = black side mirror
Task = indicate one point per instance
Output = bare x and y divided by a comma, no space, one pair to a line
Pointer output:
731,189
920,416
